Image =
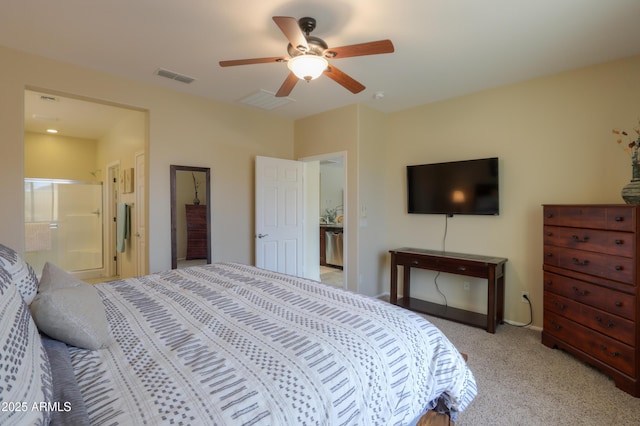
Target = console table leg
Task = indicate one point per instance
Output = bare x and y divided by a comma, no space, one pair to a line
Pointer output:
393,296
406,281
491,301
500,309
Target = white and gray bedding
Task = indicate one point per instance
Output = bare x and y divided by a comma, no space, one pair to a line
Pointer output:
223,344
230,344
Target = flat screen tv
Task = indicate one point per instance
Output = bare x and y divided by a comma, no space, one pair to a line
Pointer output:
459,187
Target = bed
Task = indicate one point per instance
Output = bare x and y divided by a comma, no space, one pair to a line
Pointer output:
228,344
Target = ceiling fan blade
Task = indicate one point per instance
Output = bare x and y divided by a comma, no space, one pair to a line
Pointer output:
362,49
251,61
287,86
343,79
291,29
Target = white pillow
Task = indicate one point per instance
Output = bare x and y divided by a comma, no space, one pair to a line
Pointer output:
70,310
25,375
19,272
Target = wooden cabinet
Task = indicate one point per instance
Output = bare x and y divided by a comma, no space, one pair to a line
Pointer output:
196,231
591,303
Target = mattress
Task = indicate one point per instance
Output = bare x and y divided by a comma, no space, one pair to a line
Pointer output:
230,344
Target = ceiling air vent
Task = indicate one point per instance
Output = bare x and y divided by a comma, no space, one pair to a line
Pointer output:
175,76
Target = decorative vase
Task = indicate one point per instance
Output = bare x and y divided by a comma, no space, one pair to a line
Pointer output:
631,191
196,201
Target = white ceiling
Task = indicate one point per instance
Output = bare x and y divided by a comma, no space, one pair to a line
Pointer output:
443,48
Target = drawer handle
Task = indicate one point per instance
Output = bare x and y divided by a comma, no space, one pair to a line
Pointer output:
415,262
579,292
549,215
619,219
549,233
462,268
579,263
549,254
548,282
619,242
609,325
580,240
555,325
559,305
613,354
618,304
619,268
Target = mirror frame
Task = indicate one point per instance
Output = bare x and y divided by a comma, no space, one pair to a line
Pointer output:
174,245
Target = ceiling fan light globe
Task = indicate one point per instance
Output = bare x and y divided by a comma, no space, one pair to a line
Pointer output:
307,67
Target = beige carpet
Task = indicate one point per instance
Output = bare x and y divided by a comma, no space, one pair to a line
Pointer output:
522,382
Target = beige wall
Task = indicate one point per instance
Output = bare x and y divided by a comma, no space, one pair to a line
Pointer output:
331,132
373,222
59,157
182,129
553,137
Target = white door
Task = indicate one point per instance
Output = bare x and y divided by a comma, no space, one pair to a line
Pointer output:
279,215
141,223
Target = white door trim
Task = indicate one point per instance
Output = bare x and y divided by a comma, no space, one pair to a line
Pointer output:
109,225
345,207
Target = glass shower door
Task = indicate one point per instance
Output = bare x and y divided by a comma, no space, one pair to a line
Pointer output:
63,224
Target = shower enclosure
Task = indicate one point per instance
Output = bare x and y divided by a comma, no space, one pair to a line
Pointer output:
63,225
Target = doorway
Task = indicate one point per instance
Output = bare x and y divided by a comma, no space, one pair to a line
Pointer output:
331,218
72,139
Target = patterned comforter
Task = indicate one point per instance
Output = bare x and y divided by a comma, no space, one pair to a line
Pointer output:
229,344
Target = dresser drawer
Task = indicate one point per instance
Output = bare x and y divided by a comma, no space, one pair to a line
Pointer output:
614,353
615,268
608,300
610,325
610,351
607,242
450,265
620,218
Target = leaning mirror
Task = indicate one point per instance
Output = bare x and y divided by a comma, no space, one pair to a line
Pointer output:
190,216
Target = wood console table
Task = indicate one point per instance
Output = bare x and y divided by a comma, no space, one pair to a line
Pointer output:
490,268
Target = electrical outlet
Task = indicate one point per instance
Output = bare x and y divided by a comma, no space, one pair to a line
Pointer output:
524,296
467,286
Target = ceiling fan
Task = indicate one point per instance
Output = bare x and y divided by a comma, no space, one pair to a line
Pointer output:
309,56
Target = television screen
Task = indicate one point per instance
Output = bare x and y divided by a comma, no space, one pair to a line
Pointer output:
459,187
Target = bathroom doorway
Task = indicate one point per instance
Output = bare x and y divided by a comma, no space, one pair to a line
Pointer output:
71,142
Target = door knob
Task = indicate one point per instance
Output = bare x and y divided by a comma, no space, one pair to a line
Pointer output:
262,235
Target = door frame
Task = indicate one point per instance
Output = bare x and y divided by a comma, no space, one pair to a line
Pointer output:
345,207
112,257
140,180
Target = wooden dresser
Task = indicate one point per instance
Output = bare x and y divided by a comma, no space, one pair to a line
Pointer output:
590,287
196,231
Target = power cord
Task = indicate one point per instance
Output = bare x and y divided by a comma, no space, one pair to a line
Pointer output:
444,240
530,314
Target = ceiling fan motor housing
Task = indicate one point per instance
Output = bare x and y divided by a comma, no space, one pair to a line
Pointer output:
317,46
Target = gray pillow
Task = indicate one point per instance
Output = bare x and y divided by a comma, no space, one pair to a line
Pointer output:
54,278
19,272
25,374
70,310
